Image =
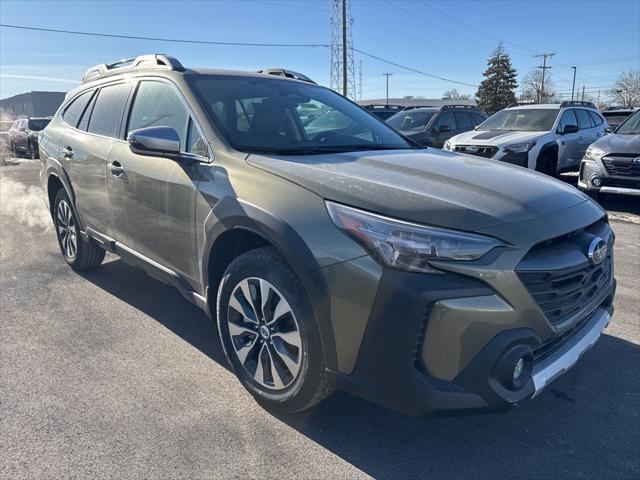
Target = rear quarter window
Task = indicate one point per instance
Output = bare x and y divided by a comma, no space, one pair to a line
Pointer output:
584,119
597,119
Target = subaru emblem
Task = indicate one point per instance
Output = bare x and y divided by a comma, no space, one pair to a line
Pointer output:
472,149
597,251
636,160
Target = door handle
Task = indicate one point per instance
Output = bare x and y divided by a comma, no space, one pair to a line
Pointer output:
116,169
67,152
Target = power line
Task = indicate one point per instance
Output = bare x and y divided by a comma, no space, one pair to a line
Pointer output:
161,39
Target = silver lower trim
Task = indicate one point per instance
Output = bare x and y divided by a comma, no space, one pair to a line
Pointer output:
624,191
555,365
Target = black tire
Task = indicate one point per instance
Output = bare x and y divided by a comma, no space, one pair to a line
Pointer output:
312,384
547,164
87,254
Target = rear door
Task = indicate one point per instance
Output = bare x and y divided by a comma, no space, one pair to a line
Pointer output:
588,133
568,145
153,198
85,151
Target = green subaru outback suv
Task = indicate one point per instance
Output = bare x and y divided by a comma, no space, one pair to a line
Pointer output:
342,257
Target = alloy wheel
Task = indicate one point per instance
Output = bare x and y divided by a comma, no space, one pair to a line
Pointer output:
66,229
264,333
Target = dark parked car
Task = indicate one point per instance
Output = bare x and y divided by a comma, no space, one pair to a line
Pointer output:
420,279
23,135
383,111
432,126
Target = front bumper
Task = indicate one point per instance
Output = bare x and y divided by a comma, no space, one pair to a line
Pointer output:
593,171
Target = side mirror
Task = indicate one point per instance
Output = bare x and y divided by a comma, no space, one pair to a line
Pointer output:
609,129
444,128
155,141
569,129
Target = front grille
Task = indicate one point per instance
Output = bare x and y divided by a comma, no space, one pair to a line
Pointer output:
547,348
622,165
559,276
486,151
621,182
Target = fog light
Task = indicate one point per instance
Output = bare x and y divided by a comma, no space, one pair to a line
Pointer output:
596,181
518,369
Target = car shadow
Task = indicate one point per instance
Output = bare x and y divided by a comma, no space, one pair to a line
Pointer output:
585,425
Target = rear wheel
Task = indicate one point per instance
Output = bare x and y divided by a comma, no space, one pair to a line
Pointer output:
80,254
269,332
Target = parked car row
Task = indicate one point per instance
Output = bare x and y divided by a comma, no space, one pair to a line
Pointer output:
550,138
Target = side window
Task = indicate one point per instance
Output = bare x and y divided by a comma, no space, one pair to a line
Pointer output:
72,113
84,120
107,110
584,120
446,119
158,105
463,120
568,118
597,119
195,143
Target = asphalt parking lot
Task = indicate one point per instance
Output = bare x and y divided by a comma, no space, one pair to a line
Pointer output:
111,374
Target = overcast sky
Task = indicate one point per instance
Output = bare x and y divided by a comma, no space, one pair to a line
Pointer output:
450,39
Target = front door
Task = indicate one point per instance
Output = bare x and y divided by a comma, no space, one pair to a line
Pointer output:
569,148
152,198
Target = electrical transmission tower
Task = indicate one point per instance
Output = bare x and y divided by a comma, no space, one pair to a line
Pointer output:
343,78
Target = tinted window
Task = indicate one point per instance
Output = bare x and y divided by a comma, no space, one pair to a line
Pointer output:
568,118
463,120
195,143
84,121
157,104
584,120
107,110
446,119
37,125
597,120
411,120
477,118
73,112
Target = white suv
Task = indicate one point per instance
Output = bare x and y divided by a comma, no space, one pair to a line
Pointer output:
549,138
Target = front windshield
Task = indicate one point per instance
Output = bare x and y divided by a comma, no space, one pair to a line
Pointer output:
269,115
37,125
411,120
631,126
522,120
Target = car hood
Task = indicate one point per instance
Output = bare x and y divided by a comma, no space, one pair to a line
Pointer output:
494,137
619,143
427,186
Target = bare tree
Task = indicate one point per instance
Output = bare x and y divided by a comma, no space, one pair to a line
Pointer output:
453,94
626,90
532,87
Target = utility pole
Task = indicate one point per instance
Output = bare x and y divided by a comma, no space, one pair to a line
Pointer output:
544,68
387,75
583,92
574,82
344,48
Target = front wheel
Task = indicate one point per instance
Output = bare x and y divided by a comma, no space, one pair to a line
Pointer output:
269,332
80,254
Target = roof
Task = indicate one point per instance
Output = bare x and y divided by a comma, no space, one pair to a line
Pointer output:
415,102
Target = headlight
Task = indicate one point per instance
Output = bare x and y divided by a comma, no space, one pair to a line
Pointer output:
447,145
593,153
407,246
519,147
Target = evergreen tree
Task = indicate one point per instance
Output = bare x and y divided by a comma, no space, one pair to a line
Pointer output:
498,88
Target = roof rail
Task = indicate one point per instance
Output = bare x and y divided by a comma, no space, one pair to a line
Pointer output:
156,60
281,72
576,103
373,106
454,106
